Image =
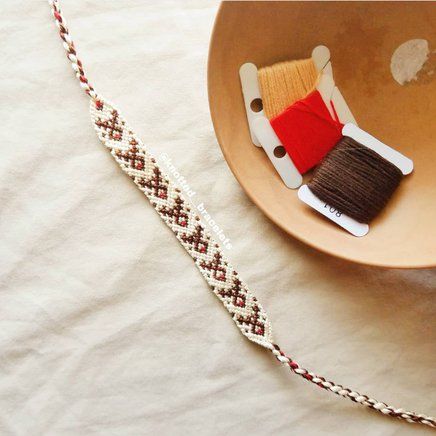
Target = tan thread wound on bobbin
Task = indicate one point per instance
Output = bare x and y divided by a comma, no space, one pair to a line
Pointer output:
181,217
284,83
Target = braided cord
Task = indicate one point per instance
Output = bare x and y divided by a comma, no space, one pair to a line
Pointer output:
180,216
354,396
70,49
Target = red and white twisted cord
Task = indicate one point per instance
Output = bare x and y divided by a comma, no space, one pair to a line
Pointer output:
70,49
364,400
245,310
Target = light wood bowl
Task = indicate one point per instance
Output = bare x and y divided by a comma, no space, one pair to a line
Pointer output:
362,37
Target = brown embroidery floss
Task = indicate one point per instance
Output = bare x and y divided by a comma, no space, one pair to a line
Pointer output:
178,214
355,180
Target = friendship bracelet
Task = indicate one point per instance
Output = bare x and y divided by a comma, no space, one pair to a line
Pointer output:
169,202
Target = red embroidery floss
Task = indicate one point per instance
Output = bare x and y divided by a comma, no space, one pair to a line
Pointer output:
181,217
307,131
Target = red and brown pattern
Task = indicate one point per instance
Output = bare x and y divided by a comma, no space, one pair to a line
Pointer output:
111,127
155,184
253,322
196,240
70,49
216,267
176,212
168,201
131,157
244,308
236,293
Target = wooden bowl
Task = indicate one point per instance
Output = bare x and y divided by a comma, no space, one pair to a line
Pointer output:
362,36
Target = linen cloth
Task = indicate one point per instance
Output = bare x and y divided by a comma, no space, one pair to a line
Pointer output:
106,325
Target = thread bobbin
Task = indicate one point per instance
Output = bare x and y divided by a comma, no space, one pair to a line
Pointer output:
263,135
353,226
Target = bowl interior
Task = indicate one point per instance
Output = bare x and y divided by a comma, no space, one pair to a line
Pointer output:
362,36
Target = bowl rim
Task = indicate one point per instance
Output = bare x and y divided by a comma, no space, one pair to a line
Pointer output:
240,180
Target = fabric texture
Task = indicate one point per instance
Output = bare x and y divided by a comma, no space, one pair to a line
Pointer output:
107,327
183,219
185,222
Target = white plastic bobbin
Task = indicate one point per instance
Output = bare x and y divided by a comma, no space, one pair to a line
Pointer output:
321,59
393,156
326,86
342,110
262,134
403,163
351,225
276,153
251,93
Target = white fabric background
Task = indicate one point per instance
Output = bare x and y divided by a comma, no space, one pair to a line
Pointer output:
106,327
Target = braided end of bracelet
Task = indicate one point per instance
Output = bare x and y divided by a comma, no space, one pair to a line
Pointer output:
354,396
70,49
